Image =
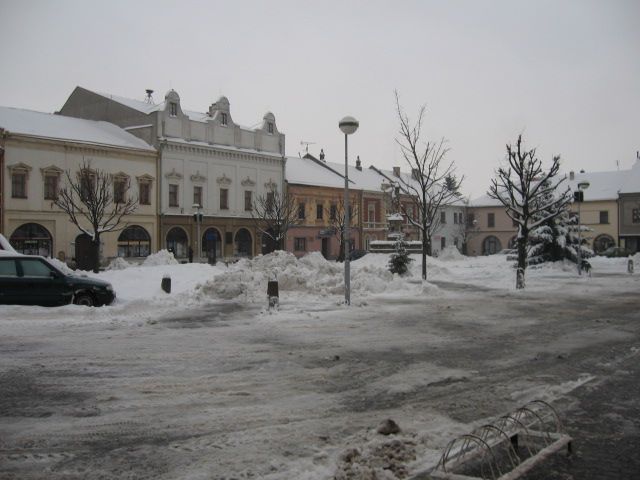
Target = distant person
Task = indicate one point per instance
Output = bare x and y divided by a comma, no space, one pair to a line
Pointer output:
190,253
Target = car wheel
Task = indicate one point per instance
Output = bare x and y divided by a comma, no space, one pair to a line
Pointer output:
85,299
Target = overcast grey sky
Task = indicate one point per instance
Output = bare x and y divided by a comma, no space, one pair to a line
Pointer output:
565,73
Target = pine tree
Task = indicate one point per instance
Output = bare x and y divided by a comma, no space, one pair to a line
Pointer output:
557,239
399,261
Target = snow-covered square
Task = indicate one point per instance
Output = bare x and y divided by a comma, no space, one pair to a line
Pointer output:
208,382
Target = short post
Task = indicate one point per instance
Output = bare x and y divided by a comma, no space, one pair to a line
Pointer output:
630,265
272,293
166,284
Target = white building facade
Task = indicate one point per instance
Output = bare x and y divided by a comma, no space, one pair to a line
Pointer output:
206,159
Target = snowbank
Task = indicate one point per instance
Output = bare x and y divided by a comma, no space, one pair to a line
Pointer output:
163,257
118,263
5,246
450,253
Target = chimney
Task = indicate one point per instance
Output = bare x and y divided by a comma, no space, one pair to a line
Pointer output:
322,154
572,175
358,164
396,171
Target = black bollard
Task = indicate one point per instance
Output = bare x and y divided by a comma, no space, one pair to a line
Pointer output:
166,283
272,293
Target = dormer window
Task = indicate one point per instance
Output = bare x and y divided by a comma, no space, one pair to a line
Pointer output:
173,109
223,119
270,127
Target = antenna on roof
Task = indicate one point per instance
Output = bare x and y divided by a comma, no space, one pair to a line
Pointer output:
306,144
149,98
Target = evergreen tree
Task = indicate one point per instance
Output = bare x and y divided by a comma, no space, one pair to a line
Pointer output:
399,261
557,238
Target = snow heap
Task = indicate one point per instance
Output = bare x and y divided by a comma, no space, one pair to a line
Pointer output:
311,274
450,253
63,267
118,263
5,246
162,257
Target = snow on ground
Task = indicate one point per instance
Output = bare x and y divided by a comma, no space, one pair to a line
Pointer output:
261,379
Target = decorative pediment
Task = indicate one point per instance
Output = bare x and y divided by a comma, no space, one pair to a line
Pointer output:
173,175
120,176
247,182
198,177
51,171
223,180
19,168
271,186
146,178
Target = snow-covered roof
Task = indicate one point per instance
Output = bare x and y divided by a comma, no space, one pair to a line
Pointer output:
231,148
485,201
147,108
139,105
365,179
631,182
305,171
59,127
602,185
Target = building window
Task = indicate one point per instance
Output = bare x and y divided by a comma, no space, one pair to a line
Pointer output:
443,242
223,119
270,127
224,199
301,211
248,200
604,216
271,199
173,195
491,220
333,211
174,109
87,185
471,220
371,212
119,190
51,187
197,195
145,193
635,215
300,244
134,241
443,217
319,211
455,241
19,185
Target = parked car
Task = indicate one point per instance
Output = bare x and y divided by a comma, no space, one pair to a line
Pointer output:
615,252
32,280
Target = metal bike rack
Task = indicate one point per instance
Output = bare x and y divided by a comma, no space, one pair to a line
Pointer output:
506,448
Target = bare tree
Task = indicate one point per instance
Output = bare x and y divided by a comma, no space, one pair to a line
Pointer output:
530,195
96,203
466,227
432,184
336,215
273,214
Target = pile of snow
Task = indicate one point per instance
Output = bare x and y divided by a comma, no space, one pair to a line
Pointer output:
5,246
450,253
63,267
311,274
118,263
163,257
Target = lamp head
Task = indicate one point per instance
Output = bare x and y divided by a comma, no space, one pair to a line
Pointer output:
196,206
348,125
583,185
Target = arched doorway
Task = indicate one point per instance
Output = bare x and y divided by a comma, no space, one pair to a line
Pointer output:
602,242
243,243
491,245
86,253
134,241
32,239
177,242
268,243
212,244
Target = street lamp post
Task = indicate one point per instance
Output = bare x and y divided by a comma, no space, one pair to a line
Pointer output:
198,218
348,125
582,186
